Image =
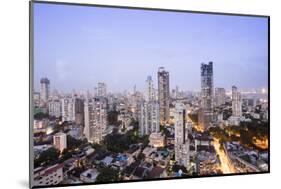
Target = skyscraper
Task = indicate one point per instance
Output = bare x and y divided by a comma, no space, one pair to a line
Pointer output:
207,95
150,90
101,90
236,102
45,89
79,111
95,119
181,135
219,96
149,117
163,94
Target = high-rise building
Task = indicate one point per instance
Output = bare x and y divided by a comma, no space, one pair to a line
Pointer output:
54,107
79,111
219,96
45,89
181,135
207,95
67,109
95,111
236,102
60,141
149,117
150,90
101,90
163,94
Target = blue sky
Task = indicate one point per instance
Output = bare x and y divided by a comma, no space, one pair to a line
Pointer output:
77,46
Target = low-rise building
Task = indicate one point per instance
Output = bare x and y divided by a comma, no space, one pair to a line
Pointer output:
90,175
156,140
52,175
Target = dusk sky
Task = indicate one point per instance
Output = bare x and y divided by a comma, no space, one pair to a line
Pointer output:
78,46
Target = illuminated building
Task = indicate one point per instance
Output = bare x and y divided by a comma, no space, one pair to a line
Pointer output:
156,140
219,96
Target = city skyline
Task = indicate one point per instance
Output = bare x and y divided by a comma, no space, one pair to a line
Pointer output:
79,59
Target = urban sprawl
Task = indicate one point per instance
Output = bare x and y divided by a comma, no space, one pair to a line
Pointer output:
100,136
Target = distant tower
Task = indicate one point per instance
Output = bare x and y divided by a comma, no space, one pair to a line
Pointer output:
163,94
150,91
207,95
236,102
45,89
101,89
181,136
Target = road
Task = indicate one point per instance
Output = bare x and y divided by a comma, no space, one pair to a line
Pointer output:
226,165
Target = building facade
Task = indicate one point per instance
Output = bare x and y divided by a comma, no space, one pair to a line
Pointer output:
54,108
101,90
60,141
181,136
44,89
149,117
95,118
52,175
163,94
150,90
236,102
207,95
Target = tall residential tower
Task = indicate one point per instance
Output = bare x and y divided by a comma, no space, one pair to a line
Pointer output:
163,94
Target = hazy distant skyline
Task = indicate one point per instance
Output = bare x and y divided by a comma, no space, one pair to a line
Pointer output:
76,47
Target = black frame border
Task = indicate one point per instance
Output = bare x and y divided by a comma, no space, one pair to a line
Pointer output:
31,73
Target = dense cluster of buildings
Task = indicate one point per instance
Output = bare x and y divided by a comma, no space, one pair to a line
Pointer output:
165,117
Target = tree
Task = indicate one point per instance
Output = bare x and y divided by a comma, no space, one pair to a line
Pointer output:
47,157
108,175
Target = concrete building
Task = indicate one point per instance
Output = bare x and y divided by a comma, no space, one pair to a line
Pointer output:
149,117
79,111
163,94
54,108
95,118
67,109
219,96
236,102
44,89
60,141
181,136
156,140
52,175
150,90
101,90
207,95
